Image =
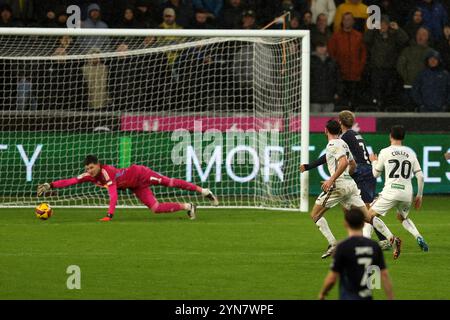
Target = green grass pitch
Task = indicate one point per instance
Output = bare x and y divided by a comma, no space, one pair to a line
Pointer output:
224,254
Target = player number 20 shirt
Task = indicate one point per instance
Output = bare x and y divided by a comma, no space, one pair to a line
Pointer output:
400,165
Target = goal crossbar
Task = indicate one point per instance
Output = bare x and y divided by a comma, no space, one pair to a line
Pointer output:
210,33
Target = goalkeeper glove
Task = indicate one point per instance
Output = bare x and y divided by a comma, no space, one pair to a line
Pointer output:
43,188
108,217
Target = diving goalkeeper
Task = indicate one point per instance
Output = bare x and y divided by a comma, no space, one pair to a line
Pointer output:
138,179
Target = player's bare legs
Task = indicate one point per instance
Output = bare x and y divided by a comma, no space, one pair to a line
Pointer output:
317,216
182,184
368,230
145,195
378,224
409,225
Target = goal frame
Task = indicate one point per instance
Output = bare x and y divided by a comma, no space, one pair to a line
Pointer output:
211,33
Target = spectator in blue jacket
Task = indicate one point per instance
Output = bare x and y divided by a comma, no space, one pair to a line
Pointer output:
431,90
435,17
214,7
94,20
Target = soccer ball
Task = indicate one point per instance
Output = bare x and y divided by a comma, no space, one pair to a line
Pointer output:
43,211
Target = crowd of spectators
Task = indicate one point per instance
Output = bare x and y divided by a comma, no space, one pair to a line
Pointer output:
403,65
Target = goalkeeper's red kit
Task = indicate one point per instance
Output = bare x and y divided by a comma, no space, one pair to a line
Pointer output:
136,178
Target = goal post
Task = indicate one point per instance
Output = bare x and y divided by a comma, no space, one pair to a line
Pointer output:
225,109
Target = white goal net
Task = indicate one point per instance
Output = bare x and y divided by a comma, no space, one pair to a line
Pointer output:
227,110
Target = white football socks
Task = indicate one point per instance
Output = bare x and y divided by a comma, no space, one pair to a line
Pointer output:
411,227
367,230
382,228
325,229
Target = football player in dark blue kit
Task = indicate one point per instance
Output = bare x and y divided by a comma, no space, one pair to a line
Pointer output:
356,262
363,176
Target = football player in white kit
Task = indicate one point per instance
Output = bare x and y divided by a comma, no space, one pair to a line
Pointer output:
400,165
340,188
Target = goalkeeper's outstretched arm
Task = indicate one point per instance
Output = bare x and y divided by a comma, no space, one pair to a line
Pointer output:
45,187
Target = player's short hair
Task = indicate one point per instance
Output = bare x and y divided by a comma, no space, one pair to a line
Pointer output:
90,159
398,132
333,127
355,219
347,118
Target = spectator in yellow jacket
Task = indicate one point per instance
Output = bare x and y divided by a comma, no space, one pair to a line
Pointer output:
359,11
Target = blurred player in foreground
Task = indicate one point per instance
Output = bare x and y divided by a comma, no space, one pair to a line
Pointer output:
356,261
138,179
400,165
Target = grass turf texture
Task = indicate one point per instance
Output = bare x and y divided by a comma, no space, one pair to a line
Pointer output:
224,254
